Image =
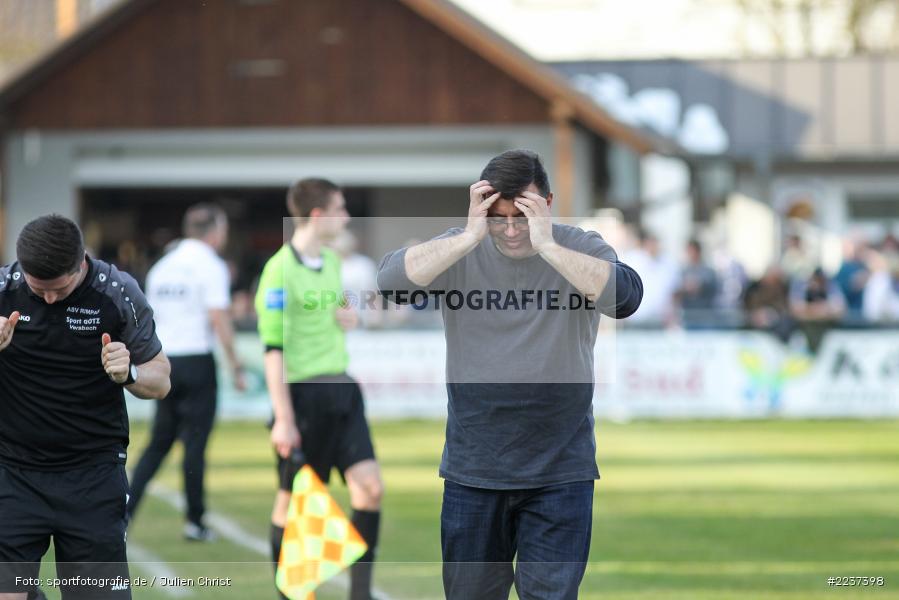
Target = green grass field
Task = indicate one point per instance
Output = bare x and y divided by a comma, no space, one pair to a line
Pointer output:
692,510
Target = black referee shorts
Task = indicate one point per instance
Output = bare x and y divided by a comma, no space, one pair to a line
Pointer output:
83,510
331,418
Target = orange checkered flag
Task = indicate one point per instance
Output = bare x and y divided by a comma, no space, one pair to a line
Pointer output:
319,541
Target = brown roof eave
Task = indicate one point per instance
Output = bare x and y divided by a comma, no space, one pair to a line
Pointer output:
545,82
540,78
29,76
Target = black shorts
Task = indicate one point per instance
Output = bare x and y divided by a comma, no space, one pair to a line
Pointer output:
331,418
83,510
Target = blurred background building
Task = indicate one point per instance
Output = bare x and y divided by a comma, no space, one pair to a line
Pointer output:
742,154
156,104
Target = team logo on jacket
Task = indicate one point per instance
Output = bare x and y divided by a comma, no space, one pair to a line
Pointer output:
80,318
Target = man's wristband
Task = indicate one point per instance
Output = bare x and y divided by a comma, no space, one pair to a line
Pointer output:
132,375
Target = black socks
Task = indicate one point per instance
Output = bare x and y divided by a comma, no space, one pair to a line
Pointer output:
367,524
277,533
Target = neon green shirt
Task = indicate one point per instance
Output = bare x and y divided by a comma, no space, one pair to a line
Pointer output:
296,307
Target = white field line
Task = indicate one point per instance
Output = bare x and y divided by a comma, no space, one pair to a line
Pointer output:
155,567
230,530
225,527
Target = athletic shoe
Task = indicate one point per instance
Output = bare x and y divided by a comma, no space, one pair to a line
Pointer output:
194,532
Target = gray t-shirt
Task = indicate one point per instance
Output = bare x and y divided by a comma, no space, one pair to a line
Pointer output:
520,366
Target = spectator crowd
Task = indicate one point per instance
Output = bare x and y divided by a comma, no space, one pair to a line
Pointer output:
701,290
794,294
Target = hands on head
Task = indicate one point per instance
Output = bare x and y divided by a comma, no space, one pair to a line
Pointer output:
481,198
534,207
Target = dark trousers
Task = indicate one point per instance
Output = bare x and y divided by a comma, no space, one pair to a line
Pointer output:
482,530
187,413
83,510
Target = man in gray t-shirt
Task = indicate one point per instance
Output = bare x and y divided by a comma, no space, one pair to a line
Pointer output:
521,299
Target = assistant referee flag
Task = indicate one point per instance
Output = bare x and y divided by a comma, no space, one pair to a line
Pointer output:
319,541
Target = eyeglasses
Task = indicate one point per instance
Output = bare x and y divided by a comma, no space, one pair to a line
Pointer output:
519,223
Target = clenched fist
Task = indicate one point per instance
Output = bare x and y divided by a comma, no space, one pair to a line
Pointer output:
7,326
116,359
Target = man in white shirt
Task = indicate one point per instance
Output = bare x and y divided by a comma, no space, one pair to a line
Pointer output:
189,288
661,277
880,301
359,276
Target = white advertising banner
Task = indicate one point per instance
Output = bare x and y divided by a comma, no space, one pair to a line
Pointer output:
642,374
685,375
856,373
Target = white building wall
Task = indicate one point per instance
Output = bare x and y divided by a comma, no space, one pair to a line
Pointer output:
37,179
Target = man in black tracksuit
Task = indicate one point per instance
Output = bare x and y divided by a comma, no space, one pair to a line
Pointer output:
74,332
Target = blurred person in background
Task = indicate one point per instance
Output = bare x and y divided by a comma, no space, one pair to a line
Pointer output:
242,313
190,290
797,261
818,305
359,276
881,297
698,290
889,247
767,304
660,275
303,320
852,279
732,283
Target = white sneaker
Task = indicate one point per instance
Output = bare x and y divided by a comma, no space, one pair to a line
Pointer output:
194,532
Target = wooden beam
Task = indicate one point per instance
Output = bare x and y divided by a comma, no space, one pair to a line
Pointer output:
563,133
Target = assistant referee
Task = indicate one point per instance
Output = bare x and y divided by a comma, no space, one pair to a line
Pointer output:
316,405
74,332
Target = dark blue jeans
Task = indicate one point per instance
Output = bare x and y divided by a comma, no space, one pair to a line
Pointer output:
482,530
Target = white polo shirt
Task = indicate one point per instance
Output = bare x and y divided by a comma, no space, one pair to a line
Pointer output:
182,287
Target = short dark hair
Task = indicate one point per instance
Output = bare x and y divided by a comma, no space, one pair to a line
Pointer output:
513,171
49,247
202,218
306,194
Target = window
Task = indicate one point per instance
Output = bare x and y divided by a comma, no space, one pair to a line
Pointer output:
874,207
